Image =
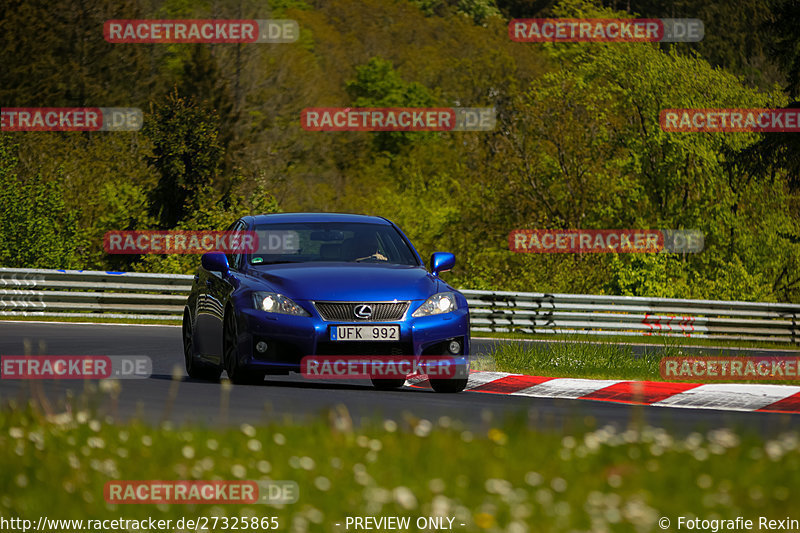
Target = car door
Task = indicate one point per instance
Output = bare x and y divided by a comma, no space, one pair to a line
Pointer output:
214,291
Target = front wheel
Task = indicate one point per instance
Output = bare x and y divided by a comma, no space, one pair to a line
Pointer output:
236,373
449,385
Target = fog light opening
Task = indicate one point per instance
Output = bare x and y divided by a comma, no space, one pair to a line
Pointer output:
454,347
261,347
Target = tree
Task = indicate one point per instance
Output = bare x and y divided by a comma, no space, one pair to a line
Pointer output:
785,45
37,230
377,84
186,155
55,58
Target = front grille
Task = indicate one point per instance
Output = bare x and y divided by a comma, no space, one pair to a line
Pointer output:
345,311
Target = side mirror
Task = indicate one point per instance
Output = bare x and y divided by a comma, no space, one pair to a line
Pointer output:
216,262
442,262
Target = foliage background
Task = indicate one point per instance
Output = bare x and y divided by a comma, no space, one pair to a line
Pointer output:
577,144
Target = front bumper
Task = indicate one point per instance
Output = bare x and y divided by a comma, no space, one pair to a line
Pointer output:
290,338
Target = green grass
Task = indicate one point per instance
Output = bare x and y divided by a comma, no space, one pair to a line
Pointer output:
574,360
591,361
504,478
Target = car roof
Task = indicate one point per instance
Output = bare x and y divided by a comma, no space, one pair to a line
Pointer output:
278,218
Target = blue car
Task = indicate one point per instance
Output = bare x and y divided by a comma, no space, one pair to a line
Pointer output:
322,284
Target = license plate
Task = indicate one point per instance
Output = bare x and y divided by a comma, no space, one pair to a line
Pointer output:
365,333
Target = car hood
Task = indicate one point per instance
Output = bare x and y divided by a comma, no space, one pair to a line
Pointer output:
348,281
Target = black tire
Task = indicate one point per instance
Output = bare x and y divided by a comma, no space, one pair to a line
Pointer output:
196,369
236,373
387,384
449,385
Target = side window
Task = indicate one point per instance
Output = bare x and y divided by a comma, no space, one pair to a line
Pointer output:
235,260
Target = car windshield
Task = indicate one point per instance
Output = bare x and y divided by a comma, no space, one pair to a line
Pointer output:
325,241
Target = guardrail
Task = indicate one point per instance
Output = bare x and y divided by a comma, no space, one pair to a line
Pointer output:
632,316
91,294
126,295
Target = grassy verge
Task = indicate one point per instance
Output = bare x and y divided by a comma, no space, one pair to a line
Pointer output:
590,360
510,478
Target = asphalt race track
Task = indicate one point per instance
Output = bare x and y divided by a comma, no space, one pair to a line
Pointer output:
161,397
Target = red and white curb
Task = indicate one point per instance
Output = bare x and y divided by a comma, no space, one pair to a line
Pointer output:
723,396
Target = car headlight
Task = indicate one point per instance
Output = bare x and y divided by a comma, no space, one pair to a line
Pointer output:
273,302
443,302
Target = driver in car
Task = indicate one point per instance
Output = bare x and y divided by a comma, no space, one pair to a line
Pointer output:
362,247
